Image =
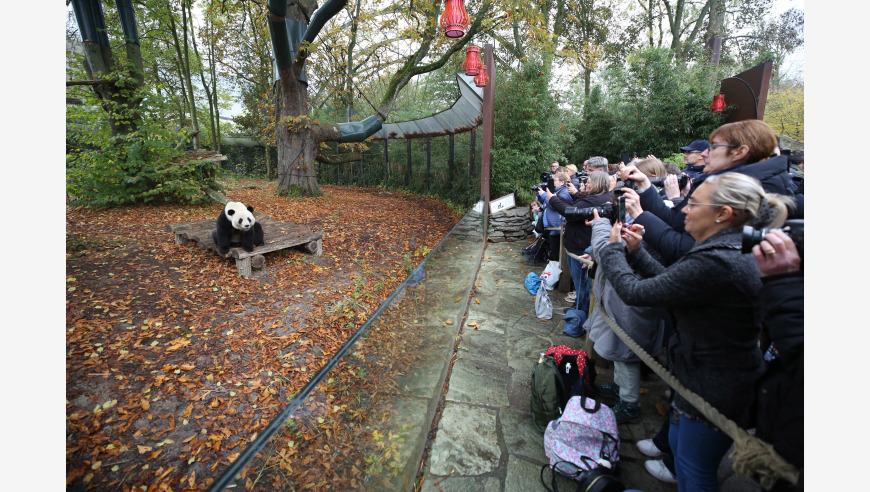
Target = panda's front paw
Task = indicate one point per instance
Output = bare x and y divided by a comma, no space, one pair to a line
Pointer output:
248,248
223,251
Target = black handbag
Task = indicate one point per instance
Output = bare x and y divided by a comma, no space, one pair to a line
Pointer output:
537,252
595,480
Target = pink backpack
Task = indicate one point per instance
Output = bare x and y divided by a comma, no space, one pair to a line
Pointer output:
583,438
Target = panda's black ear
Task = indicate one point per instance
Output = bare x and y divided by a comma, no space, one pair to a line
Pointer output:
231,212
250,209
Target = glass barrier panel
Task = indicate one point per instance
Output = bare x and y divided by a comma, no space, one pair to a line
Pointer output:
363,421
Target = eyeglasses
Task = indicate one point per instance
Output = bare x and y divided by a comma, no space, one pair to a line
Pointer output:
715,146
690,204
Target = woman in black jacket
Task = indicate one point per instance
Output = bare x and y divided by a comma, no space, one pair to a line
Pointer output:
578,235
714,350
743,147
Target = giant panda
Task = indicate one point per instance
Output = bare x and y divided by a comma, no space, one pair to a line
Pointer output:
236,226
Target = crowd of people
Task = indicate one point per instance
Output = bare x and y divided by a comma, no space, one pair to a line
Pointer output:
707,262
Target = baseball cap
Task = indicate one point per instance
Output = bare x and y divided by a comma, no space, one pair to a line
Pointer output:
699,145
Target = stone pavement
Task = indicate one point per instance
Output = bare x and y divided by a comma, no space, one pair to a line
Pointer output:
485,439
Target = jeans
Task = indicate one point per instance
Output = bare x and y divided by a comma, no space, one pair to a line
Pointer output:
698,449
578,275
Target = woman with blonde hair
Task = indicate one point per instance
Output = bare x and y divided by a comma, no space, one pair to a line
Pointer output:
715,350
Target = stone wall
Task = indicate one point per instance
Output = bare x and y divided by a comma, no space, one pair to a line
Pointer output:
510,225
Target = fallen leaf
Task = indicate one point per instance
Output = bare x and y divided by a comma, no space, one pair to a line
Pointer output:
144,449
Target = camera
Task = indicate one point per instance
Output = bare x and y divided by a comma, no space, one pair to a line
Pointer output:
793,228
660,182
612,212
546,182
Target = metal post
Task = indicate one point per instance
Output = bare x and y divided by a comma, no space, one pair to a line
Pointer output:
451,165
408,171
486,156
428,164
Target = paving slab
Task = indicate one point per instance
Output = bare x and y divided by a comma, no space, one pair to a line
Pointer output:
467,441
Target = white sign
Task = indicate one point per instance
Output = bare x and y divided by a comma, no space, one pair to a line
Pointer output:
478,207
502,203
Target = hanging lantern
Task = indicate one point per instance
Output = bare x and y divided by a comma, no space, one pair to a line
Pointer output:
471,65
718,103
482,78
455,19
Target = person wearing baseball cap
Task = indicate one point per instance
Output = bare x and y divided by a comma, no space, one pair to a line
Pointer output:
691,156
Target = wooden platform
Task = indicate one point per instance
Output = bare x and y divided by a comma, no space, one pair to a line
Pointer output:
278,236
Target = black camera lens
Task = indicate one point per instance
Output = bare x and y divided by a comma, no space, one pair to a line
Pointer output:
793,228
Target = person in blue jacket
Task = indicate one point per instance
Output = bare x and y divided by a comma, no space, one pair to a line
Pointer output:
744,147
552,218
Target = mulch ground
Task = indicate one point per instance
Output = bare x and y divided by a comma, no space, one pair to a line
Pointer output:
174,362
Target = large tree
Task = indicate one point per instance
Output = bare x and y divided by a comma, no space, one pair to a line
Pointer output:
294,27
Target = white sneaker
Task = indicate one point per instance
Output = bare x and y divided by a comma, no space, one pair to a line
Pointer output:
658,469
648,447
572,296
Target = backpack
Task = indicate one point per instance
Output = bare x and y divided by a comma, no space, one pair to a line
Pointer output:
576,368
583,444
537,251
556,377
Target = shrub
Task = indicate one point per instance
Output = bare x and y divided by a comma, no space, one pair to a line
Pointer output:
530,132
652,105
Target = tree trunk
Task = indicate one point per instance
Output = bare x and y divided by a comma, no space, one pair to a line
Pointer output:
212,101
587,80
295,142
194,119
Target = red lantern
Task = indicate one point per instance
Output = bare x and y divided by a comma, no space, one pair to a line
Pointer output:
718,103
482,78
455,19
472,63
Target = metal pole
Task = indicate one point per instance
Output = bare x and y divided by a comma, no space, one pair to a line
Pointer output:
408,171
428,164
486,156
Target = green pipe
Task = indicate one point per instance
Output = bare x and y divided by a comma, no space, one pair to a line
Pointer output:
358,131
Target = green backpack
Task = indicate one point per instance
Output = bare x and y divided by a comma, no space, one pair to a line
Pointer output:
548,392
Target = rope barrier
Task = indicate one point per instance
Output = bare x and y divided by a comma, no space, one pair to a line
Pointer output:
752,457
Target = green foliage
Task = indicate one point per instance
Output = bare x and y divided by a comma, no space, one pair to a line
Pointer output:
675,158
652,105
139,166
784,111
530,132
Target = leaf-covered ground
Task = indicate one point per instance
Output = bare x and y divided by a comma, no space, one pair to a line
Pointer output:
174,362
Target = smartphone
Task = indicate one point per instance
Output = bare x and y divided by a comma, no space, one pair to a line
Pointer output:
621,202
